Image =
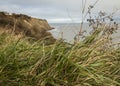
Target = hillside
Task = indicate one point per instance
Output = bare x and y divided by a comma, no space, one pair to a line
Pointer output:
29,26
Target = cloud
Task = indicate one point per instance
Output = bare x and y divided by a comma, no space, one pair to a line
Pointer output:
56,10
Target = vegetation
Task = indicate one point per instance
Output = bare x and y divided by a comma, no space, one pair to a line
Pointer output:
91,62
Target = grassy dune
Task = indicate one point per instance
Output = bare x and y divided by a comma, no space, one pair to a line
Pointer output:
91,62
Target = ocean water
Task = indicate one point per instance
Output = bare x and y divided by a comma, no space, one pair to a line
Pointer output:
68,31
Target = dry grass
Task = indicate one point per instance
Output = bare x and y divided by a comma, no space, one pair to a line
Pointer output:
92,62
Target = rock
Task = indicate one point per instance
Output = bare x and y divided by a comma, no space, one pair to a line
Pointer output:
30,27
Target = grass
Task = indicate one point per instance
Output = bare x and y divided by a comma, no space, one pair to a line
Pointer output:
91,62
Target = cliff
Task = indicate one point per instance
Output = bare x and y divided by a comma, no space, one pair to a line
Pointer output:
30,27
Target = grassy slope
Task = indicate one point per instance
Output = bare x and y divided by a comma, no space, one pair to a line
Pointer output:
89,63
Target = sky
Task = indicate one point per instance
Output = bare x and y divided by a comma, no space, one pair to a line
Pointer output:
58,11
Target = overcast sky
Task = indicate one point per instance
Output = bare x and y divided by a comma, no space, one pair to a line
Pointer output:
56,11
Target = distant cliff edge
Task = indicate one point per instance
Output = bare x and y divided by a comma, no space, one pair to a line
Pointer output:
29,26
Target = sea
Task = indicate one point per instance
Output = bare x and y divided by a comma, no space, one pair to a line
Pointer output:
68,31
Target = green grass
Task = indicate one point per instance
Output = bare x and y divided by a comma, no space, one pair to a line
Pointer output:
91,62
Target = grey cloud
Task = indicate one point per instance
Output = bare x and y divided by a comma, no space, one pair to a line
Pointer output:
55,9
